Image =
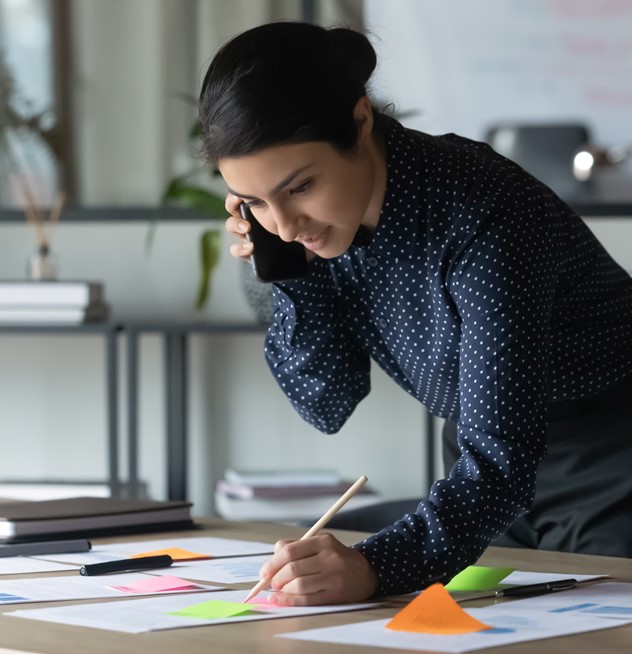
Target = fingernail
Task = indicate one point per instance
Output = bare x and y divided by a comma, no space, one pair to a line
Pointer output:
242,227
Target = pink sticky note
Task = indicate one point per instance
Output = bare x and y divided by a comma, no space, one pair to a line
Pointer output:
158,585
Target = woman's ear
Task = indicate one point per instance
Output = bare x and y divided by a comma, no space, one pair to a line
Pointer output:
363,116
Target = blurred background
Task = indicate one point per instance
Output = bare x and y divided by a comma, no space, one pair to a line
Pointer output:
97,100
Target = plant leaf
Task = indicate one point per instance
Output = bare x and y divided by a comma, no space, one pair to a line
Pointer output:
195,131
209,256
195,197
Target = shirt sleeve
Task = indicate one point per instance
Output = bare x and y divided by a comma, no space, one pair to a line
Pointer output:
501,280
311,353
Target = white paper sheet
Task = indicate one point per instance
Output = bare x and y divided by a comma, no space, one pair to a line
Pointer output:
512,629
216,547
576,611
608,600
519,578
52,589
219,571
152,614
13,565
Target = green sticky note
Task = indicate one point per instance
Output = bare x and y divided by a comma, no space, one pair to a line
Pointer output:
214,609
478,577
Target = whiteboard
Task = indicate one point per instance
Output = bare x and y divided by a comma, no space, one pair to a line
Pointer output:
463,65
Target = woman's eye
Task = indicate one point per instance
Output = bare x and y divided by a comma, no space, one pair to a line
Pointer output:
253,204
301,188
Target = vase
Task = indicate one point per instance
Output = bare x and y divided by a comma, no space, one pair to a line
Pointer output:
42,265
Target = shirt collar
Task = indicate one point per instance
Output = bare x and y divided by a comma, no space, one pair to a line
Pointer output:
400,217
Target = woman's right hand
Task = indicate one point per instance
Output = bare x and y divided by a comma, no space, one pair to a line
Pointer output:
236,225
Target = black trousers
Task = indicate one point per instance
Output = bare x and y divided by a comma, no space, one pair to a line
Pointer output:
583,500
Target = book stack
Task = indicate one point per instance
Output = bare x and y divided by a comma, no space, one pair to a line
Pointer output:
52,302
283,496
89,516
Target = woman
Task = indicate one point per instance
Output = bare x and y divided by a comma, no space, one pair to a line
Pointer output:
477,290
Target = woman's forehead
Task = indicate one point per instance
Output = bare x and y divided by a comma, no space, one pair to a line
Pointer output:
273,165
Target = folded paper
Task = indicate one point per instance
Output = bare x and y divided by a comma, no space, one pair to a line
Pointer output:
478,577
176,553
214,610
433,611
162,584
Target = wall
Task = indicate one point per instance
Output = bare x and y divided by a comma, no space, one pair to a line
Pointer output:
51,388
480,63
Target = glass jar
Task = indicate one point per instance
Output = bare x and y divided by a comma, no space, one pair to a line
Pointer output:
42,265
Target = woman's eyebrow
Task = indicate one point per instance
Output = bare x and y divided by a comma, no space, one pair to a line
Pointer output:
279,187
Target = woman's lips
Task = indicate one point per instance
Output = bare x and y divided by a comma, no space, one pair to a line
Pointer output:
316,242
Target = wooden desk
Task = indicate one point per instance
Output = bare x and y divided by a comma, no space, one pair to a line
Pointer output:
258,637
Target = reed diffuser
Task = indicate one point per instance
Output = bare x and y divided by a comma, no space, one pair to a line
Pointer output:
42,264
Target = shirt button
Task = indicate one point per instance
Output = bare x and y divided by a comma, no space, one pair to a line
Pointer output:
383,323
371,261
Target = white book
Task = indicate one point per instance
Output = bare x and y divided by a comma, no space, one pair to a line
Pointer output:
52,315
53,293
281,478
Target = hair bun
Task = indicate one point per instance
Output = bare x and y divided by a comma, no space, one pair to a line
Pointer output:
356,51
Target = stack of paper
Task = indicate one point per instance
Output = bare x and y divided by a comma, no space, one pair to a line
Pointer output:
294,495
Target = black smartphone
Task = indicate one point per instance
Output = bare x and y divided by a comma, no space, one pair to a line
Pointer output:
273,260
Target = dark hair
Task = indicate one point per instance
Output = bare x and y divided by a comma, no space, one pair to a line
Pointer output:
284,82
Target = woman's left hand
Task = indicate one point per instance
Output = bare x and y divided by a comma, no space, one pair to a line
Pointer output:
318,570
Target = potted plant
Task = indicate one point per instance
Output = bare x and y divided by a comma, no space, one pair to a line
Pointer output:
186,190
21,127
182,191
19,121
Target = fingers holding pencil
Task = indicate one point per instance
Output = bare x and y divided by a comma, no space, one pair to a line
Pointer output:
318,569
315,528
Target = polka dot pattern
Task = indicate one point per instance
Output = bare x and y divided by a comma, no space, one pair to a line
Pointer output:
486,298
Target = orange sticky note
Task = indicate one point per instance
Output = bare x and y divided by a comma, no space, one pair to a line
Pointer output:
433,611
176,553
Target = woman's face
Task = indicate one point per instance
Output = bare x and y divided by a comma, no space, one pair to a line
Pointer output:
311,192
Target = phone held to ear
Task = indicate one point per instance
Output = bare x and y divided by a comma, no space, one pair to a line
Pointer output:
273,260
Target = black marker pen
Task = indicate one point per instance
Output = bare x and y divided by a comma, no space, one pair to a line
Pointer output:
537,589
125,565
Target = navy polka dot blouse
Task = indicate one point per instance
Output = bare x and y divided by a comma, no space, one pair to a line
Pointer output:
486,298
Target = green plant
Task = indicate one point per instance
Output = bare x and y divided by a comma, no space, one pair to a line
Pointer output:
183,191
19,123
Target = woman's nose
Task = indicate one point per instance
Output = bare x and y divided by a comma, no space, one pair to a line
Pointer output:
287,225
